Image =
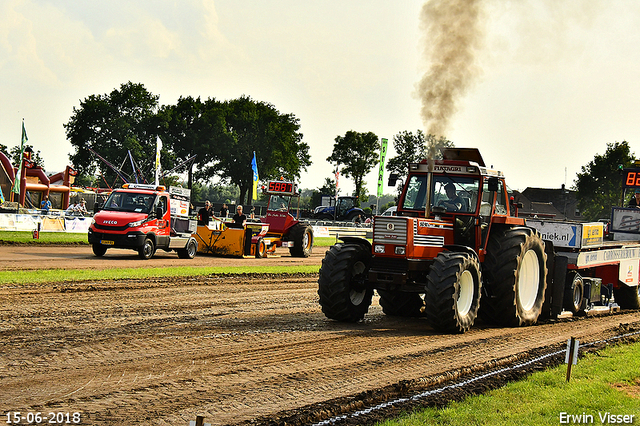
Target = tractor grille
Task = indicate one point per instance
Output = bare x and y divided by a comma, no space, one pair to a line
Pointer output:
390,230
426,240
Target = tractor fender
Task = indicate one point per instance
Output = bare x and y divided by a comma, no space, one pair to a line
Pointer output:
356,240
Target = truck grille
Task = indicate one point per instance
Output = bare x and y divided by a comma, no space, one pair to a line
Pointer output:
390,230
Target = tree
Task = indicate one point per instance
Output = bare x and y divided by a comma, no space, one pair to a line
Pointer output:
329,188
113,125
357,153
193,127
14,155
412,148
598,186
259,127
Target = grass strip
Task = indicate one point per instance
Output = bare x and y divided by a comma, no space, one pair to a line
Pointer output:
70,275
603,384
25,237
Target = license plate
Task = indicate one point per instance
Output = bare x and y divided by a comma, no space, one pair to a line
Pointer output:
107,242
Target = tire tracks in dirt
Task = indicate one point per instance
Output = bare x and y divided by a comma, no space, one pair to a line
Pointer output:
233,348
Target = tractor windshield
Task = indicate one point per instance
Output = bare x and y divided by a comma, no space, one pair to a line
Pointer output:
454,193
130,202
279,203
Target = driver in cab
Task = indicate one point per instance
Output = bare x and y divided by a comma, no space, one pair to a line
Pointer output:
455,202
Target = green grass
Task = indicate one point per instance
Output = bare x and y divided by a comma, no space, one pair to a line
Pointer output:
26,237
66,275
601,382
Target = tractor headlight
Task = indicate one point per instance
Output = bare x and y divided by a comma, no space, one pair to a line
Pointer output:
400,250
378,249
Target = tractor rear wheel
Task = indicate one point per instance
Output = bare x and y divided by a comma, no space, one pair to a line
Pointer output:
516,277
627,297
453,292
400,304
342,286
302,237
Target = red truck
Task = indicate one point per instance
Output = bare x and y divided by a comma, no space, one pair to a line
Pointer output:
144,218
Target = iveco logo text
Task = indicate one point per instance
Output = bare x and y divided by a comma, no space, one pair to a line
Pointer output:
110,222
390,227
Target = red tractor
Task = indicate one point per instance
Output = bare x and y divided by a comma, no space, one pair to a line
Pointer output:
285,230
455,239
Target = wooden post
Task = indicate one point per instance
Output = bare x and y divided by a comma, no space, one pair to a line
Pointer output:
572,348
199,420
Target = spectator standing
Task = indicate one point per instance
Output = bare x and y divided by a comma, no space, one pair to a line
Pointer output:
45,205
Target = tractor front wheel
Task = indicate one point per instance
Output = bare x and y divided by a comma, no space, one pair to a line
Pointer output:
453,292
342,287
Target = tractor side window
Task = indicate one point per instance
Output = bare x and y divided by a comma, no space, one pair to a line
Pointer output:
487,198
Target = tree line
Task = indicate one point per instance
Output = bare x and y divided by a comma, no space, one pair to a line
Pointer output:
216,139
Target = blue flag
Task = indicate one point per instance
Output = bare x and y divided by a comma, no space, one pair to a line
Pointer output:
254,167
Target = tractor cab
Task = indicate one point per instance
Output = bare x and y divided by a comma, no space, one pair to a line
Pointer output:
282,198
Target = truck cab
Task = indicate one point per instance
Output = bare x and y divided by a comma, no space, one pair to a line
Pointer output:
139,217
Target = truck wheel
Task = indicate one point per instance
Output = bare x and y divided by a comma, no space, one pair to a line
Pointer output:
302,237
189,252
147,250
453,292
516,277
627,297
344,295
261,248
98,249
400,304
574,300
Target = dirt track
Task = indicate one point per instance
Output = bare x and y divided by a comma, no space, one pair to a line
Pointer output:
231,349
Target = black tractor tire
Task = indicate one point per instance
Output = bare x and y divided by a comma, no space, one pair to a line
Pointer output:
342,287
189,252
98,249
627,297
400,304
147,250
325,217
574,300
261,248
515,272
453,292
302,237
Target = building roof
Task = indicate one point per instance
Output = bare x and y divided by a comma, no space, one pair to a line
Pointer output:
560,203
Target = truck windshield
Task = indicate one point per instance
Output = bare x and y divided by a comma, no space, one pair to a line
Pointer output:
130,202
454,193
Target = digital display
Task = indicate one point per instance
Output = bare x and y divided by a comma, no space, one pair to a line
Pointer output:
281,187
631,178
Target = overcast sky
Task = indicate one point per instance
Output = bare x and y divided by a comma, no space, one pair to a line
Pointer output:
557,81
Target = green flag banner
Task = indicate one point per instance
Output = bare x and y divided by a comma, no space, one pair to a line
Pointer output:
383,155
16,182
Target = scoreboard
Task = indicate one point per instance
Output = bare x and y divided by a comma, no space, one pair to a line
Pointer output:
631,178
281,187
